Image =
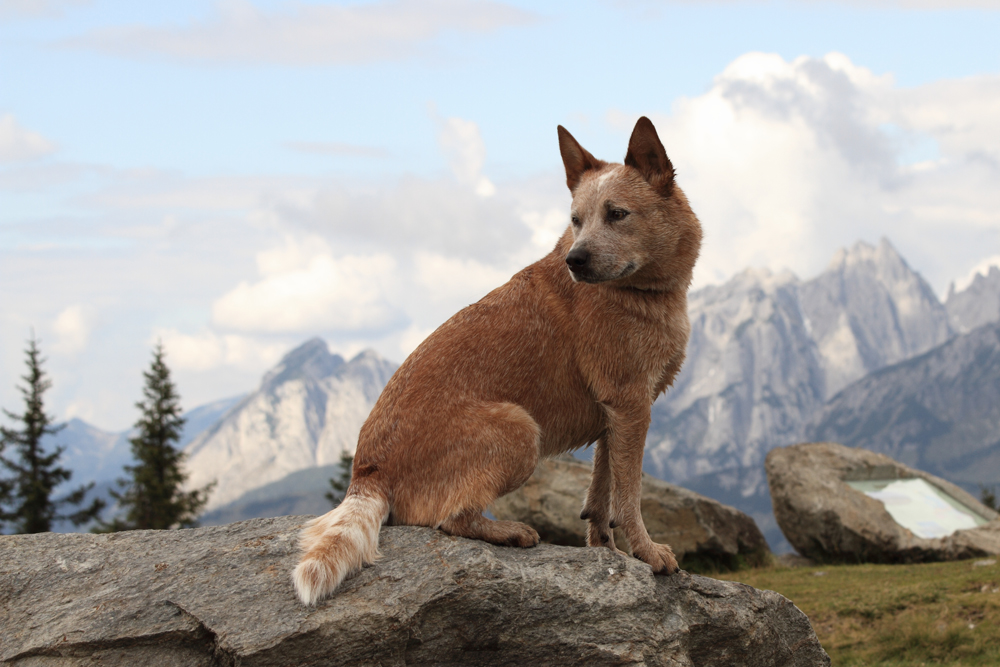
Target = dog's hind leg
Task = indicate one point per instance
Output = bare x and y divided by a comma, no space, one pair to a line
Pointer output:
487,450
476,526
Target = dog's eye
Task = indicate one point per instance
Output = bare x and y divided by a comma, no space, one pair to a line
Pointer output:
617,214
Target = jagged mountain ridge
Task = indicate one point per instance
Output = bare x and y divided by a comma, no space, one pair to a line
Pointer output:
977,304
939,411
767,351
306,412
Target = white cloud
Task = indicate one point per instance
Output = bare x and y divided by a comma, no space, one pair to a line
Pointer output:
19,143
546,226
461,281
309,34
463,145
304,289
207,350
72,328
786,161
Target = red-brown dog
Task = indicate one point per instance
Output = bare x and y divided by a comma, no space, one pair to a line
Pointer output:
573,350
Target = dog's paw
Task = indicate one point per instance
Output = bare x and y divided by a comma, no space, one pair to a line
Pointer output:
659,556
514,534
600,536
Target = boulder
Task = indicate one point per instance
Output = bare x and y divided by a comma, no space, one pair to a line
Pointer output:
700,530
222,595
828,520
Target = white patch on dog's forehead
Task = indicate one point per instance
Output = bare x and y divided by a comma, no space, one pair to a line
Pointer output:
604,177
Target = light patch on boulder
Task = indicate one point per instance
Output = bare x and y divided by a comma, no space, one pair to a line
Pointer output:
818,491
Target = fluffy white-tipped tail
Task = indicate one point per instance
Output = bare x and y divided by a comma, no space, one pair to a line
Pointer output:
338,544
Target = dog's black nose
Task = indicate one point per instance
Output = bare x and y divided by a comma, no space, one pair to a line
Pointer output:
577,259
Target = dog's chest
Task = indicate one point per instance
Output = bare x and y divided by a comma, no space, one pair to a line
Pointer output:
629,349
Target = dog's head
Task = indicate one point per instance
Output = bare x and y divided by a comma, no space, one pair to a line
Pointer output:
631,225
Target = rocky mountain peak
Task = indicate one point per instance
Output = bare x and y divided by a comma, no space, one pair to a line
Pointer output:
308,410
870,309
311,359
977,304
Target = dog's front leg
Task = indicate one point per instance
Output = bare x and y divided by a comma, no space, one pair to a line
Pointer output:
626,439
597,508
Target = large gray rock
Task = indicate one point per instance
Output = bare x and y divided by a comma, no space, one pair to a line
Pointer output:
223,596
698,529
826,520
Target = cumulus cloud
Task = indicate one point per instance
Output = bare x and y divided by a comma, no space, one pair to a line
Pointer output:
18,143
462,281
208,350
785,161
461,142
309,34
303,288
72,328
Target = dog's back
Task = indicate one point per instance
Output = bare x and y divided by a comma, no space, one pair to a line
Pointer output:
551,361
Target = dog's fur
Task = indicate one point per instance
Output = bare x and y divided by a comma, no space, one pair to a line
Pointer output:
573,350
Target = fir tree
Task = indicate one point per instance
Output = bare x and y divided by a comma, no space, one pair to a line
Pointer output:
26,497
340,483
153,497
988,496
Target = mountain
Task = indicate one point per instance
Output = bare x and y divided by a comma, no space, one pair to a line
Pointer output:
99,456
938,412
95,455
977,304
306,412
766,351
301,492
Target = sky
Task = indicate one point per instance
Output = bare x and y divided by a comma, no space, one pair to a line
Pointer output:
232,178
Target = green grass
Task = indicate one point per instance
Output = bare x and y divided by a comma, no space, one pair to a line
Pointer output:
889,615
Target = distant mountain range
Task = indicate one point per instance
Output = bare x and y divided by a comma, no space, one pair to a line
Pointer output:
938,412
307,411
864,354
767,351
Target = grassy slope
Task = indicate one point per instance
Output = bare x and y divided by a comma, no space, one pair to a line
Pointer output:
929,614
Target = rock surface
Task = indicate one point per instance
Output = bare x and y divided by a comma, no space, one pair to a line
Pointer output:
695,527
828,521
223,596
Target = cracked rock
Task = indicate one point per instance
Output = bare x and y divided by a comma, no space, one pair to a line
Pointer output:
222,595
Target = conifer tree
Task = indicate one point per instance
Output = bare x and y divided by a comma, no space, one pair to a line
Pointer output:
26,496
988,496
340,483
153,497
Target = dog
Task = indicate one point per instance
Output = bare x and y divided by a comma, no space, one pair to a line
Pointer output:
573,350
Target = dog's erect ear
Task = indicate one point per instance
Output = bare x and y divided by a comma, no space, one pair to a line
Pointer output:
646,154
576,159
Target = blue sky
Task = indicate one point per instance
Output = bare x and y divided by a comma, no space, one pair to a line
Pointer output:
232,178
